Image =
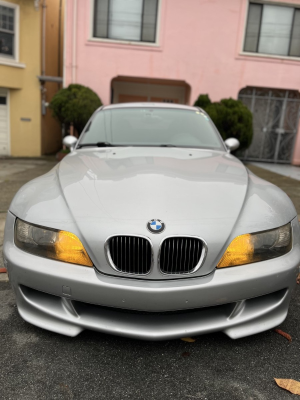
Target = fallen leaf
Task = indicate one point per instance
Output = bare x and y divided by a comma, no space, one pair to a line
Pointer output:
188,339
298,279
186,354
284,334
289,384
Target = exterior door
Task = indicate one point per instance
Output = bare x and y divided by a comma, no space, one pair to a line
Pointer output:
275,123
148,90
4,125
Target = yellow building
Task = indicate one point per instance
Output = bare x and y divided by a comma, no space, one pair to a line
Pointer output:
22,51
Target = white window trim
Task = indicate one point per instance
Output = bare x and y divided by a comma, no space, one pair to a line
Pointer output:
6,60
252,54
11,63
125,42
287,58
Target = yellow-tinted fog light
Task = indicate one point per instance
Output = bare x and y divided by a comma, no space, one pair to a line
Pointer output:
239,252
69,248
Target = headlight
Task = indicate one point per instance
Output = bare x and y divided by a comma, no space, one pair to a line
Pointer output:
254,247
51,243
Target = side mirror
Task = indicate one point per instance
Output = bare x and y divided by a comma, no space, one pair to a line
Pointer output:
232,144
70,142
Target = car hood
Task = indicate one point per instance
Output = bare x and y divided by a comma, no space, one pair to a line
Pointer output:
137,184
117,191
96,193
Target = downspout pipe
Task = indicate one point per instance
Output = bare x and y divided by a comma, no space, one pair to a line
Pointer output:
74,66
65,37
59,42
43,89
44,38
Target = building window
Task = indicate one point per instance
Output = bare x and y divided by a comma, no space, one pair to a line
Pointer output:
130,20
7,31
273,30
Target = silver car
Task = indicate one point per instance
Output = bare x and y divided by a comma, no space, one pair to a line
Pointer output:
151,229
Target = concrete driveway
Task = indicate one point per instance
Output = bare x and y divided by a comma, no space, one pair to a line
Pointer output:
37,364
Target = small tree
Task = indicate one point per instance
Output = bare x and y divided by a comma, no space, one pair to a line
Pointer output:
74,105
231,117
203,101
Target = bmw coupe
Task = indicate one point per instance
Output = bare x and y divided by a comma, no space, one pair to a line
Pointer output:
151,229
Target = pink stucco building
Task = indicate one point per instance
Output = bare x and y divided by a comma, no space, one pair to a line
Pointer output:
174,50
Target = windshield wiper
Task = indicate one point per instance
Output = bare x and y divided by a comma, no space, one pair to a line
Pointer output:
99,144
167,145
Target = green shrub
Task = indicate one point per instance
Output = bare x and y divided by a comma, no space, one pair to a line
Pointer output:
74,105
231,117
203,101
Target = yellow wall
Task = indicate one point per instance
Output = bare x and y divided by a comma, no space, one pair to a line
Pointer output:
25,95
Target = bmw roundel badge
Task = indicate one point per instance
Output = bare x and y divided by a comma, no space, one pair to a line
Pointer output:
156,226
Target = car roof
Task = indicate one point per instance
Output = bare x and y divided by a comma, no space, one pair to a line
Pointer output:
152,105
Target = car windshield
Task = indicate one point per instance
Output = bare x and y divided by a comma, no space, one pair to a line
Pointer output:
151,127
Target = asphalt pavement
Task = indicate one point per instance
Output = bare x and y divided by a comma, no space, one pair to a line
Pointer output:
37,364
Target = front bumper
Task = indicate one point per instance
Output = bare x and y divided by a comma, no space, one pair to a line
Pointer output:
67,298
